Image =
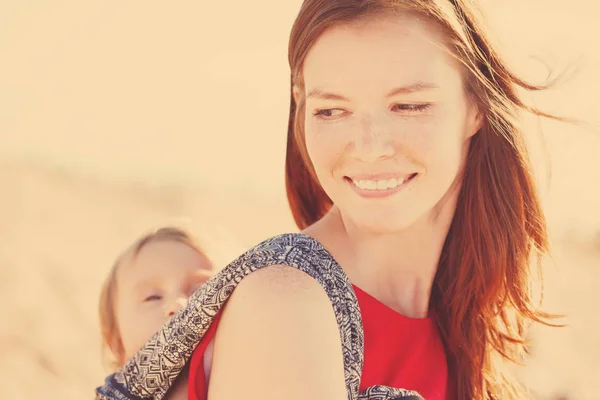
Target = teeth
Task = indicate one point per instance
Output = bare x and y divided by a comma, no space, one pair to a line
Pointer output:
378,185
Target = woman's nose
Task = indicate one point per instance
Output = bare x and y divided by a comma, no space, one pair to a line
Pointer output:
373,140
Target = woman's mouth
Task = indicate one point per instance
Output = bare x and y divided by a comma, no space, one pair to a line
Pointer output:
381,185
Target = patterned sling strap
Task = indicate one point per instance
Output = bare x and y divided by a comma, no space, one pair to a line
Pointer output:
152,371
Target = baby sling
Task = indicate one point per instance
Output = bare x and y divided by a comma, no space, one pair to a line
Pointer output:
152,371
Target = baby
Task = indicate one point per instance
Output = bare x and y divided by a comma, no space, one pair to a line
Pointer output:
149,283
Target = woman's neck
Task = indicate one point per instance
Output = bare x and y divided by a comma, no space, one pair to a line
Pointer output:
398,269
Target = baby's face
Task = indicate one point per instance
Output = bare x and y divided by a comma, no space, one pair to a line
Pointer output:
153,286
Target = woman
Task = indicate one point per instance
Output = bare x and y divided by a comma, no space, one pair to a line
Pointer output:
405,162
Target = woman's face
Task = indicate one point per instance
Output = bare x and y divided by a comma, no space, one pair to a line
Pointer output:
387,120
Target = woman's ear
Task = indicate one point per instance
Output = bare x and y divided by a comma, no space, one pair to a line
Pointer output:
296,93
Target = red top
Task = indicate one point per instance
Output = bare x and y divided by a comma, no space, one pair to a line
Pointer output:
400,352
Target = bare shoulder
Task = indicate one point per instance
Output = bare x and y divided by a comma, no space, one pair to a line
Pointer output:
277,338
279,289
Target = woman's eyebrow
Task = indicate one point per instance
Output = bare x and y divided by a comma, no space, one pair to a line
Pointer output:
323,95
412,88
406,89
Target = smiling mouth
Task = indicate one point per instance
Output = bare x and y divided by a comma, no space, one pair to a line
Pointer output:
381,185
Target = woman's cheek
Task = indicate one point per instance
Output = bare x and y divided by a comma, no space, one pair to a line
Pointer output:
327,143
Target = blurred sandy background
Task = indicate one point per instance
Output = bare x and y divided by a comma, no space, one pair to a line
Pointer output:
120,116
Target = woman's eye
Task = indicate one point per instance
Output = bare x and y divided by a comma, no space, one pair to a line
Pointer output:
152,297
329,113
410,108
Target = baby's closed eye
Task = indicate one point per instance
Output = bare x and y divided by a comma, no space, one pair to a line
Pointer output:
152,297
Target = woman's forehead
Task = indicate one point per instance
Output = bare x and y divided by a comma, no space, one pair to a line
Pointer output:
402,49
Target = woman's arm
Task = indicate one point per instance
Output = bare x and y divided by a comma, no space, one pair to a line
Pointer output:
277,339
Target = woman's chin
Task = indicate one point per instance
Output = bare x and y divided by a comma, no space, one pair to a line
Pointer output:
383,224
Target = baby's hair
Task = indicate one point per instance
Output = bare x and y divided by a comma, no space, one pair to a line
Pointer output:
111,338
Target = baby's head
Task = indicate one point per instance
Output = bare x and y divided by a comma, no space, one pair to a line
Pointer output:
149,283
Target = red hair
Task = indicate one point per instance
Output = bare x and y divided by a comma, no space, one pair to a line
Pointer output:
481,293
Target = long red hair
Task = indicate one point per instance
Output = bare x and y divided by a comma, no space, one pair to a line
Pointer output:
481,293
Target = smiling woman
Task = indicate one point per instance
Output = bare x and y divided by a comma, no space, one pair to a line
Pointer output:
407,172
403,127
408,119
